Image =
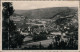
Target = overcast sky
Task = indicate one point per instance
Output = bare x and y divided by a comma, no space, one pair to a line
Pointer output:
27,5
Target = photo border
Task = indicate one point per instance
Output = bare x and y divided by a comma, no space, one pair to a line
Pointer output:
41,50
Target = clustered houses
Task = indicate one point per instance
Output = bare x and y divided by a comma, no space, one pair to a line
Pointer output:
37,28
30,26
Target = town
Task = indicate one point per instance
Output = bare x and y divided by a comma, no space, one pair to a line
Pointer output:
40,31
53,28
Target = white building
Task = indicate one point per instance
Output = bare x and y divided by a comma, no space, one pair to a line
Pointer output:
24,33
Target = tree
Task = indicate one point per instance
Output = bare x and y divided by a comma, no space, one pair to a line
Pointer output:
6,13
11,38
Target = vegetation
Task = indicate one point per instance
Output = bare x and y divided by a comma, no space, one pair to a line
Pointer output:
65,23
41,36
10,37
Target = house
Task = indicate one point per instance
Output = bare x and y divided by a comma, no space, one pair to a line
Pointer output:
24,33
53,34
56,33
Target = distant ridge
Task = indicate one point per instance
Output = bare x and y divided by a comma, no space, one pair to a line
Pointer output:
43,13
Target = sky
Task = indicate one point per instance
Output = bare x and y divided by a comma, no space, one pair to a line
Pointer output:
28,5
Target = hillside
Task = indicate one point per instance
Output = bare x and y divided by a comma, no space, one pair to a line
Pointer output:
44,13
